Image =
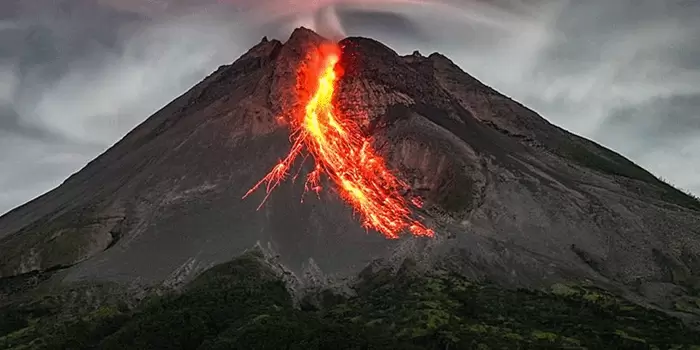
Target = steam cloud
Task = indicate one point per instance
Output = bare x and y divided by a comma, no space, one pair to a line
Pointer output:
324,16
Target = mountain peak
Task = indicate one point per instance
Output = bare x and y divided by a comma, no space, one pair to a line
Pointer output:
305,36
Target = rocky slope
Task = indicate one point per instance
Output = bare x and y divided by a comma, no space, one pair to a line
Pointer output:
514,199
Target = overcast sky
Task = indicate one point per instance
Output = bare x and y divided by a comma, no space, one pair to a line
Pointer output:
76,75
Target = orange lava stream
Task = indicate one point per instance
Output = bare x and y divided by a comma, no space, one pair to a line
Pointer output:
345,156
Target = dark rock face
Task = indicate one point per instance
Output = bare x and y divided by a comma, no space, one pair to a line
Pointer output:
512,197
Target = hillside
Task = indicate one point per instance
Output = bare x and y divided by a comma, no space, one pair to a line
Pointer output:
244,304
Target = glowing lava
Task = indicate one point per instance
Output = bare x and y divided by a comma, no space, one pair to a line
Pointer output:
343,154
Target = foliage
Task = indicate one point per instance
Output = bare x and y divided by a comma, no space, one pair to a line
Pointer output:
243,305
63,319
447,311
12,320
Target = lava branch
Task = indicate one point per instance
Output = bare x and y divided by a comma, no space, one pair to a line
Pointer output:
346,156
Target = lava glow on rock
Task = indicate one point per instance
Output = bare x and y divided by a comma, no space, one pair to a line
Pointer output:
343,153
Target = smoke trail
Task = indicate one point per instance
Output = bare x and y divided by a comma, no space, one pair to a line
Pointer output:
323,16
328,23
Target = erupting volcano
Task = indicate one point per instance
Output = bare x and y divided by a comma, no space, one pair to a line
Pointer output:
343,153
518,201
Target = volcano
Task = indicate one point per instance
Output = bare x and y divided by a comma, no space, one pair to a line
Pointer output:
498,192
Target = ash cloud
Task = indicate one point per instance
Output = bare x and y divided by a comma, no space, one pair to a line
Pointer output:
76,75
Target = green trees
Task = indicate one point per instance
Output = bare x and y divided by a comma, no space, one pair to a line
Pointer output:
243,305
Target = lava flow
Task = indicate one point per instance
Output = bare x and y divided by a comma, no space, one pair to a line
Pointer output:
342,152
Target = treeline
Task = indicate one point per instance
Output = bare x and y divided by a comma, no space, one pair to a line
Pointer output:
244,305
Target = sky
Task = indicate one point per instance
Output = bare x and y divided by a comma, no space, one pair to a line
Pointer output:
77,75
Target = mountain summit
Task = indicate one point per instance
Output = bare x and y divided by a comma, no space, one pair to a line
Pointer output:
510,197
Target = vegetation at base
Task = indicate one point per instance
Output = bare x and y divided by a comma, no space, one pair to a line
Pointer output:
243,305
43,320
612,163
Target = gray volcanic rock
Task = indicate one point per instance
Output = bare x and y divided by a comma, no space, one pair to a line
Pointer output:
167,197
525,200
513,198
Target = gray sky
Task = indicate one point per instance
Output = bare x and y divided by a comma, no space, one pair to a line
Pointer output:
76,75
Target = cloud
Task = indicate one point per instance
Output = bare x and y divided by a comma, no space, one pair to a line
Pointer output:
152,66
666,143
76,75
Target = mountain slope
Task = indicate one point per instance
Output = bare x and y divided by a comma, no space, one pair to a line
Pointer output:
513,198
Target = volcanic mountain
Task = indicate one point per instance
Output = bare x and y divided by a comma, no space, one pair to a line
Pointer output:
510,197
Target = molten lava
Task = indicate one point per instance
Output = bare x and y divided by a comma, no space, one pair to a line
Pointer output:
343,154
